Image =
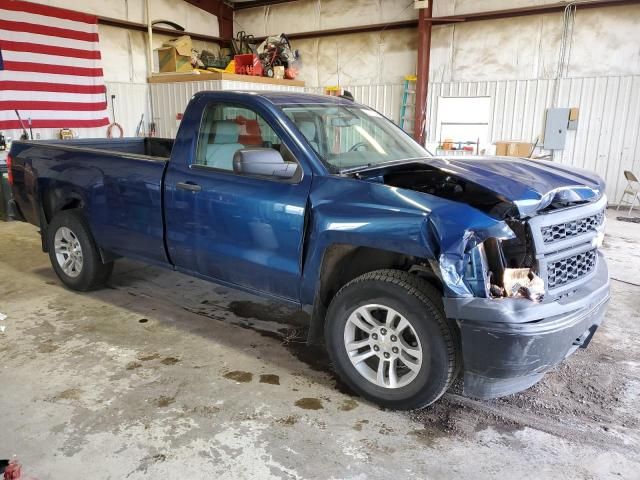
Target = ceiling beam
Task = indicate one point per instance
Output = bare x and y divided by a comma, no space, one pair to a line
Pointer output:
258,3
534,10
222,11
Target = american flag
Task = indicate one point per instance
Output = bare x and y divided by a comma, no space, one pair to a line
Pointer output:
49,67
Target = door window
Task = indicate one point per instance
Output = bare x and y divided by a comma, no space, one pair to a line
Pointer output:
225,129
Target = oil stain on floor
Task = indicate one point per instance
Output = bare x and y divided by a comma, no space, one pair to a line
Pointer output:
270,379
308,403
170,361
239,376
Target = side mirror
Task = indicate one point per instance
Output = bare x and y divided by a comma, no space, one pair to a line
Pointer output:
265,162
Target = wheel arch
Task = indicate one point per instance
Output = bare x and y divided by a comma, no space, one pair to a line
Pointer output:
53,201
342,263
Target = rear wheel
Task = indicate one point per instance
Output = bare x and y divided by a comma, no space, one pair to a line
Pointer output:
390,341
73,252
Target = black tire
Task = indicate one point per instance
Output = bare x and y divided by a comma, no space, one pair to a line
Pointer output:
421,304
93,273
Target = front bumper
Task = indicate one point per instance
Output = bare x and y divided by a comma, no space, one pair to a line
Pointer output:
508,344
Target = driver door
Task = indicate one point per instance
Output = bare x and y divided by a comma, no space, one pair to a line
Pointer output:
243,230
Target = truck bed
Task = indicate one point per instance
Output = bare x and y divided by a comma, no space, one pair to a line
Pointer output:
152,147
118,182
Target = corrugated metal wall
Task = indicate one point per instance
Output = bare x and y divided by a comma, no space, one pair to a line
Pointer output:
606,140
169,99
608,136
385,98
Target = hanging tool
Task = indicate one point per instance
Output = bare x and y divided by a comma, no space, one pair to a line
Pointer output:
114,124
168,22
140,126
25,135
409,92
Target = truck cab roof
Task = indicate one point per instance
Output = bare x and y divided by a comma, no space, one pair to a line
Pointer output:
281,98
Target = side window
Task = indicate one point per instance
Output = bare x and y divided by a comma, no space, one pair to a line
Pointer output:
225,129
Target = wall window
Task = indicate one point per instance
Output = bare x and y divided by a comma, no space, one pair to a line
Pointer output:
464,119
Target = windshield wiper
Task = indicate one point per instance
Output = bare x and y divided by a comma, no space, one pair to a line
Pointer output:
375,166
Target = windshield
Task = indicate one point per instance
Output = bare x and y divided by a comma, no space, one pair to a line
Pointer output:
351,136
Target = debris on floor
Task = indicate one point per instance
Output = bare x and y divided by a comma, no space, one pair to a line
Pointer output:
11,469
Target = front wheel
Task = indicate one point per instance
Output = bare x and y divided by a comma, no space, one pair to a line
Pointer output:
73,252
389,340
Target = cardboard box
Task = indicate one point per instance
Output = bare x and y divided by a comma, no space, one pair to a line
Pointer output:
181,44
278,72
169,60
513,149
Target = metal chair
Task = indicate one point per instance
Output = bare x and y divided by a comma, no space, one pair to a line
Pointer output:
632,188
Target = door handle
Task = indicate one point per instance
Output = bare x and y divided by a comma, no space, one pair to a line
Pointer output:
193,187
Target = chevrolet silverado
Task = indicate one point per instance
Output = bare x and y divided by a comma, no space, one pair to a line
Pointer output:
414,269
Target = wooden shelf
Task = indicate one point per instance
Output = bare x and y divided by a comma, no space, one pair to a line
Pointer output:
204,76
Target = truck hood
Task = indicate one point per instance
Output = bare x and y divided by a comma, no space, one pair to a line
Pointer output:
527,185
531,185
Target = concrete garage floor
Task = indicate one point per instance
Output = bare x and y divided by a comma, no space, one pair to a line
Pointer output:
162,376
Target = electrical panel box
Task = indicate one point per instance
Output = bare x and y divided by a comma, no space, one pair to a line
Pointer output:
555,130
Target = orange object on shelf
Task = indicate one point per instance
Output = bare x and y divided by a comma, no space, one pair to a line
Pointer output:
248,64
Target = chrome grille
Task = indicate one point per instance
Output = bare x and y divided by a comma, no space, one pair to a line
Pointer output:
561,231
566,270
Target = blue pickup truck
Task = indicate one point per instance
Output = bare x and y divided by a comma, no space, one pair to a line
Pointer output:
414,269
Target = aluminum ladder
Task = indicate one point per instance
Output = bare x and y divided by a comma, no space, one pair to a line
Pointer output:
408,100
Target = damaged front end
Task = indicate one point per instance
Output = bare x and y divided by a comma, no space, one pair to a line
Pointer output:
490,255
522,277
536,297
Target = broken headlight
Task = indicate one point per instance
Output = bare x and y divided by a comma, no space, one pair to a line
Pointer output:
487,275
477,274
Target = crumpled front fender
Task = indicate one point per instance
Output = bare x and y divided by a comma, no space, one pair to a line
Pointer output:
453,230
369,214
